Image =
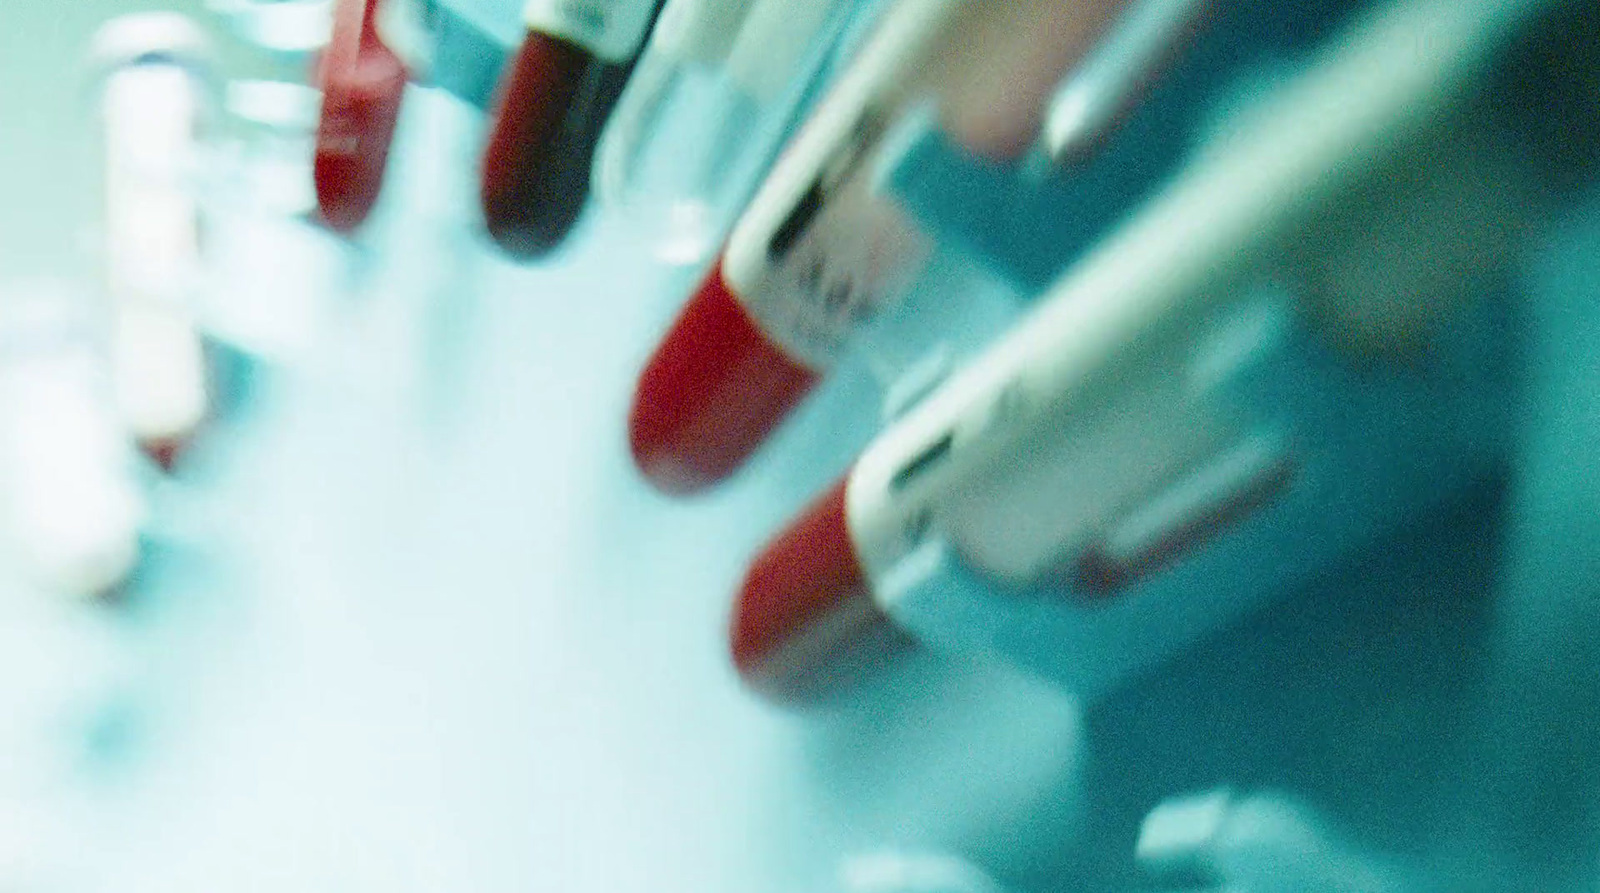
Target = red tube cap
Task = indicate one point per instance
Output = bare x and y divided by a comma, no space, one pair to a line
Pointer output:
362,85
711,393
553,106
805,626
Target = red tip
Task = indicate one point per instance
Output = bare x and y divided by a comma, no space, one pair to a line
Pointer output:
713,391
164,451
805,626
553,106
362,85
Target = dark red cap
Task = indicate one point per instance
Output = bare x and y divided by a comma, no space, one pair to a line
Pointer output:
711,393
553,106
363,82
805,626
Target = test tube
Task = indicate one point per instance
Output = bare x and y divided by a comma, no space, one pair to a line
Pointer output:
71,505
555,98
153,103
715,92
363,82
819,253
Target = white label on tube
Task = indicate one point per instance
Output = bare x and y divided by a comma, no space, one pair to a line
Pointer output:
850,265
158,366
611,29
818,255
151,113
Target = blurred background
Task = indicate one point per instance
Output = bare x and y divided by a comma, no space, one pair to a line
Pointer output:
327,564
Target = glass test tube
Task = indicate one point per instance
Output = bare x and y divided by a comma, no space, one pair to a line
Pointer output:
153,104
